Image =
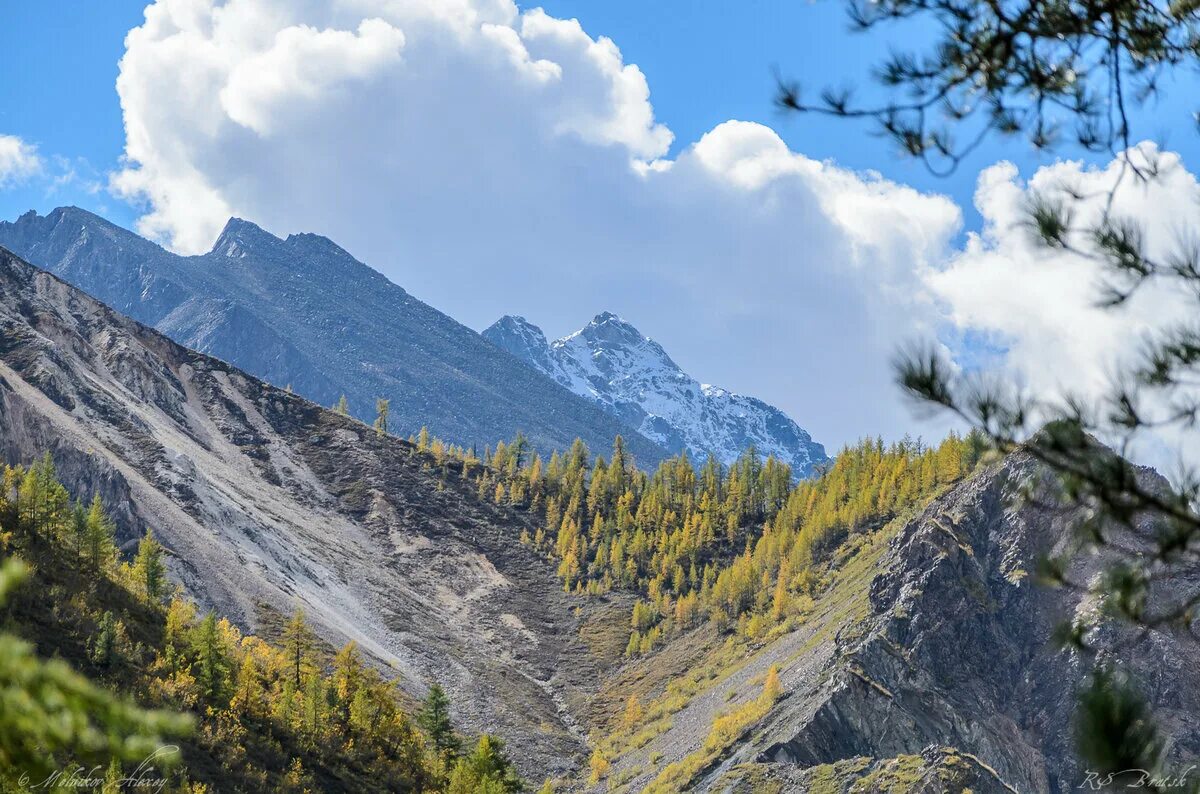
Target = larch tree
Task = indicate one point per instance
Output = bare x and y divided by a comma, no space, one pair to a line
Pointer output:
633,713
298,642
486,770
382,408
149,570
772,688
100,547
348,678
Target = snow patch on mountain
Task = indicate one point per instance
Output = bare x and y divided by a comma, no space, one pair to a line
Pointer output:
631,376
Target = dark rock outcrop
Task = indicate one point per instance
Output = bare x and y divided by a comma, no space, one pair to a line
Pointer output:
958,651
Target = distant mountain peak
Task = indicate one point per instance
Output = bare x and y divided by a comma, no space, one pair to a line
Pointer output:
607,325
241,236
521,338
516,322
632,377
606,317
74,234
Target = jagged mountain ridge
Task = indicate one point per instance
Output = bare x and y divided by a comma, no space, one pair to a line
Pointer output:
631,376
267,501
304,312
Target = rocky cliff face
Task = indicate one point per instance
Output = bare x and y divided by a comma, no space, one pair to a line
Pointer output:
302,311
960,651
267,502
632,377
929,665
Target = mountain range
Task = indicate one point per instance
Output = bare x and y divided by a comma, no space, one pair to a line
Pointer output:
302,312
630,375
922,660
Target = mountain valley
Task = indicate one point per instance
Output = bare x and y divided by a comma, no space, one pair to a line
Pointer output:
912,653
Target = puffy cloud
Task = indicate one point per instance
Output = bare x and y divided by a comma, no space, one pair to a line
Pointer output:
223,99
1042,307
301,69
18,160
493,161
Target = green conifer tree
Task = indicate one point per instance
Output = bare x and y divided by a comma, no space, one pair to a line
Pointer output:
149,570
212,662
434,719
103,651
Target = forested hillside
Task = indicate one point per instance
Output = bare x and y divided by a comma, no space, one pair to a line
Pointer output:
294,714
246,714
740,546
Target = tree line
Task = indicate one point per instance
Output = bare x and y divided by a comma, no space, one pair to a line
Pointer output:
739,546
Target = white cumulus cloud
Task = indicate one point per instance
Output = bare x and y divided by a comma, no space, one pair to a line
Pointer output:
18,160
496,161
1041,307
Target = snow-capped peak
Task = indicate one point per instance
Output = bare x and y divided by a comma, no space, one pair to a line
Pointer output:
632,377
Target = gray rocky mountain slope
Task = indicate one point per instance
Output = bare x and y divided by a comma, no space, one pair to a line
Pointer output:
267,502
302,311
632,377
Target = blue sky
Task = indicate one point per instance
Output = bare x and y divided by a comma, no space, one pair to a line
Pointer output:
705,61
59,93
498,174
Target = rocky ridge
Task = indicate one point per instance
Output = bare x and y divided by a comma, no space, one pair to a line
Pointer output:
301,311
928,664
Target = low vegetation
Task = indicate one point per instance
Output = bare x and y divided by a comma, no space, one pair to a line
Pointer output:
726,730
